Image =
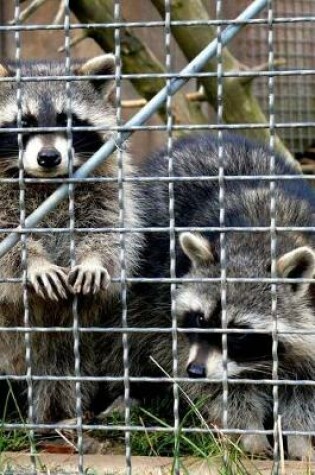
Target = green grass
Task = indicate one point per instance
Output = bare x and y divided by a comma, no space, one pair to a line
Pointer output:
14,439
147,442
181,445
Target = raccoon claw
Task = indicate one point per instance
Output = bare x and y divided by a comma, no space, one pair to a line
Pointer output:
49,281
86,279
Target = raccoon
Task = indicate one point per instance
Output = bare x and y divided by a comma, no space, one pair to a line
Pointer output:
51,281
250,320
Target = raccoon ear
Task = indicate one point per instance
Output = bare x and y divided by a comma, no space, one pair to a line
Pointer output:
196,247
103,65
5,71
298,264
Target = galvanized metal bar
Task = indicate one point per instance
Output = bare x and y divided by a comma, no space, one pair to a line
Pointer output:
156,24
31,416
72,247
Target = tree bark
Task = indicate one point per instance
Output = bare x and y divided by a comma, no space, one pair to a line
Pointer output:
137,58
239,104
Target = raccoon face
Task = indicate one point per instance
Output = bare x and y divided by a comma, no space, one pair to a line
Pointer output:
249,353
45,104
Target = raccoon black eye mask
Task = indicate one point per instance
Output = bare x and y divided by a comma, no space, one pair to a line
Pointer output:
84,143
241,346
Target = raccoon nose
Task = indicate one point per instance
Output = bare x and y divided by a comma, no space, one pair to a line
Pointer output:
48,158
196,370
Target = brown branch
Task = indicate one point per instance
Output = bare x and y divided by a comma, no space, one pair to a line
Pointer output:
256,69
28,11
136,57
197,96
134,103
239,104
74,41
60,13
308,169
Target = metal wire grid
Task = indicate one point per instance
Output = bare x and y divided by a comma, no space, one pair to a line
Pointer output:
27,335
123,273
72,253
273,236
293,45
173,81
223,292
172,249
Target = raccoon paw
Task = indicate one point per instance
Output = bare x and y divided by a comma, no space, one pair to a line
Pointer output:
116,408
256,445
300,447
49,281
88,278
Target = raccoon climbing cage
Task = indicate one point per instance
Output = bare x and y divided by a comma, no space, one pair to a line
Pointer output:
205,89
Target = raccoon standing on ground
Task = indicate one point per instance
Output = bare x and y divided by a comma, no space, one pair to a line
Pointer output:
249,304
51,282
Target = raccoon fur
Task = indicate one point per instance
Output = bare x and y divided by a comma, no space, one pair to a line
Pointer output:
51,280
198,305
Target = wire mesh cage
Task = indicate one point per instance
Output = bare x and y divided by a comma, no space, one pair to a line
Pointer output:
293,51
163,304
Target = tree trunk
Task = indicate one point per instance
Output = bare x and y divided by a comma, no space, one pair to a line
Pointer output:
137,58
239,104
